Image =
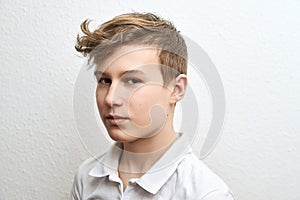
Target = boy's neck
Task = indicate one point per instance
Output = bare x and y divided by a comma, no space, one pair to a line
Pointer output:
151,144
139,156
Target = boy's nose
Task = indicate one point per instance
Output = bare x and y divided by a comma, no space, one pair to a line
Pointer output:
114,96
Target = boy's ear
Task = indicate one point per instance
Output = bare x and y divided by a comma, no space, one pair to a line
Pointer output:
179,88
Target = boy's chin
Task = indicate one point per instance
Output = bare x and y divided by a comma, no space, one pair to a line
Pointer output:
120,136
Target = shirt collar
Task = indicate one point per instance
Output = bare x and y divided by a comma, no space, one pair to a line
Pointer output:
159,173
108,163
163,169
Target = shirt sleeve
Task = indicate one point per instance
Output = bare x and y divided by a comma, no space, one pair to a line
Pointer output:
75,191
220,194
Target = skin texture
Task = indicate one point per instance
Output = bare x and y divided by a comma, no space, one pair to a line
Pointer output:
136,108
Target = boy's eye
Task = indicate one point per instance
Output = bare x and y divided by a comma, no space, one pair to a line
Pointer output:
132,81
104,81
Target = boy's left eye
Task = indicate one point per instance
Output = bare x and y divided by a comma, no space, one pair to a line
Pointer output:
132,80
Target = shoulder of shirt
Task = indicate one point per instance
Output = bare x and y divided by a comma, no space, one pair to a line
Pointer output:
193,174
85,167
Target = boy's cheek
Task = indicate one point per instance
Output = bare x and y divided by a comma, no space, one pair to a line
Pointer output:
148,123
140,116
147,115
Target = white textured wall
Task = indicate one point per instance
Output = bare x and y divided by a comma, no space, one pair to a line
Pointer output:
255,46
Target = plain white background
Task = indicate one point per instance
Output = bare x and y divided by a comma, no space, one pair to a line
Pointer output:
255,46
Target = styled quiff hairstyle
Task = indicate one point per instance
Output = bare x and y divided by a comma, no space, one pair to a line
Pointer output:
144,29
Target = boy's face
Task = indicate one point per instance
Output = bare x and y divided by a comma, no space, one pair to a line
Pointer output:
131,98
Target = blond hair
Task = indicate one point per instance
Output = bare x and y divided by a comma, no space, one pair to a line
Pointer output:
136,29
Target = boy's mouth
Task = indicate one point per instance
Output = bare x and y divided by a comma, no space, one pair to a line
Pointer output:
113,119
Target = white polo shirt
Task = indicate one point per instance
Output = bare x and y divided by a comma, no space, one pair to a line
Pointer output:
177,175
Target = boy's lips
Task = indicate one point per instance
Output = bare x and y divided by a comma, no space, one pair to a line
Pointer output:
113,119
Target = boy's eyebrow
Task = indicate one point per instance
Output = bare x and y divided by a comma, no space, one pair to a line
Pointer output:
99,73
134,71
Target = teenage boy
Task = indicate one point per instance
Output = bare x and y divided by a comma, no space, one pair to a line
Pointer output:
140,65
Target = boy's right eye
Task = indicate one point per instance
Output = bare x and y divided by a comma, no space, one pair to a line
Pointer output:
104,81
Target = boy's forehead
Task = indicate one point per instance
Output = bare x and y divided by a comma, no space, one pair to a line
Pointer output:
137,58
149,70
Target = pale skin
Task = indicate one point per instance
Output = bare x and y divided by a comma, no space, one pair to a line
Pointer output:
129,86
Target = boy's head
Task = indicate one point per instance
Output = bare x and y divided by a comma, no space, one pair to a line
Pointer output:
136,56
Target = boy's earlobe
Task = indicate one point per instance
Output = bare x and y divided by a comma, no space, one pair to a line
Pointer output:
174,98
179,88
